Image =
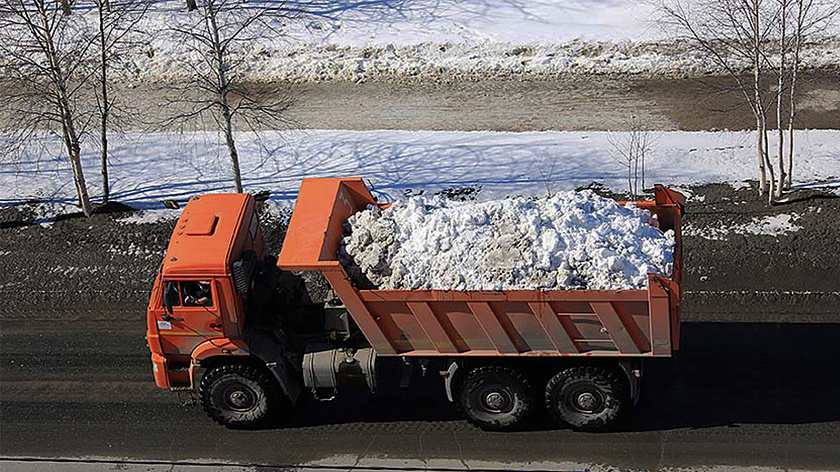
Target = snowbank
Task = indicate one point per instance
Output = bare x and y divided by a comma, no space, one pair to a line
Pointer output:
436,61
571,240
430,61
441,40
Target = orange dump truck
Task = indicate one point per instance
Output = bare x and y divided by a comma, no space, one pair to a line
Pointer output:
237,327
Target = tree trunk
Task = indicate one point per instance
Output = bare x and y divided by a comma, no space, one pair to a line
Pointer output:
65,7
780,185
643,150
71,138
191,5
771,192
105,106
234,156
791,119
759,150
797,46
758,107
227,115
636,176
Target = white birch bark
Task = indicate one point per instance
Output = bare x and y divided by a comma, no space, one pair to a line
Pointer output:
105,105
794,72
780,184
221,75
759,107
71,138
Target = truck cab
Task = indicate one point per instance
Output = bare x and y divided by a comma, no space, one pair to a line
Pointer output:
193,313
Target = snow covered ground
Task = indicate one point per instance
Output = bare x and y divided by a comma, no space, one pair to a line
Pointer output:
404,22
453,39
148,168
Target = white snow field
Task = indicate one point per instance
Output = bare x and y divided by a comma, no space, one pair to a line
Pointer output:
456,39
148,168
570,240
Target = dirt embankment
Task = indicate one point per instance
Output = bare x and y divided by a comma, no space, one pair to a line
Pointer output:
575,103
578,103
77,266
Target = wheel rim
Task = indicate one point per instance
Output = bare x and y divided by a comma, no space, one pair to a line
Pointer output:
495,400
239,397
586,400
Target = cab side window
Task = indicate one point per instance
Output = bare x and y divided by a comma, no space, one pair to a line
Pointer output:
188,293
197,293
171,294
255,224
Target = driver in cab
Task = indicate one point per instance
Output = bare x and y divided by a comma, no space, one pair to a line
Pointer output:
197,294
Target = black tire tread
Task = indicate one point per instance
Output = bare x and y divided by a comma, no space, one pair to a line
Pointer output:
608,380
262,377
520,414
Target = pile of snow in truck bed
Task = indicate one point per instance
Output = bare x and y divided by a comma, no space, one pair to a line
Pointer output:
571,240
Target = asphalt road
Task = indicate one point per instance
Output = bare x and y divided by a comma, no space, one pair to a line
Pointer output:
755,383
758,394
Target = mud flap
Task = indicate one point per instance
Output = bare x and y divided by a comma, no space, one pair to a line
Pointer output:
448,376
284,373
277,357
633,370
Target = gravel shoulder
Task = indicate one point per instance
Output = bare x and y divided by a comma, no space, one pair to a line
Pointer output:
76,266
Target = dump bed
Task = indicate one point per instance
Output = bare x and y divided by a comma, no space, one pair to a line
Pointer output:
641,323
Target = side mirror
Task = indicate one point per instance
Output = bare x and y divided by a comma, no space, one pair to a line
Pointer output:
170,296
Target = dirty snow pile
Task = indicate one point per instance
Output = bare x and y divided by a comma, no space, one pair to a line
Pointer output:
571,240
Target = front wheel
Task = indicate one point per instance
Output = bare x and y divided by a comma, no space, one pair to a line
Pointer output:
586,398
495,397
239,396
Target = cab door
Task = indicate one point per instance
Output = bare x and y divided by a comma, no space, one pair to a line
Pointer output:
190,314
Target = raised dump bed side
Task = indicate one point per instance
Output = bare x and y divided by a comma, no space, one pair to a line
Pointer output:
640,323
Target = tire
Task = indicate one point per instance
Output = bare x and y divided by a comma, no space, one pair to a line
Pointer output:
586,398
239,396
494,397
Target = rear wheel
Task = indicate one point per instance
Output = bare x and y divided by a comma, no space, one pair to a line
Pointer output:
239,396
494,397
586,398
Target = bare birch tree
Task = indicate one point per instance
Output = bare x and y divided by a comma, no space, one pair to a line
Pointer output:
220,33
631,149
43,73
782,72
116,21
808,18
733,33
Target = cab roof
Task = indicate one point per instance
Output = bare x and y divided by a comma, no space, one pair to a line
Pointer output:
204,239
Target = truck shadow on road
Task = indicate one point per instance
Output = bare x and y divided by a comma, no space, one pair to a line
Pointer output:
727,374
